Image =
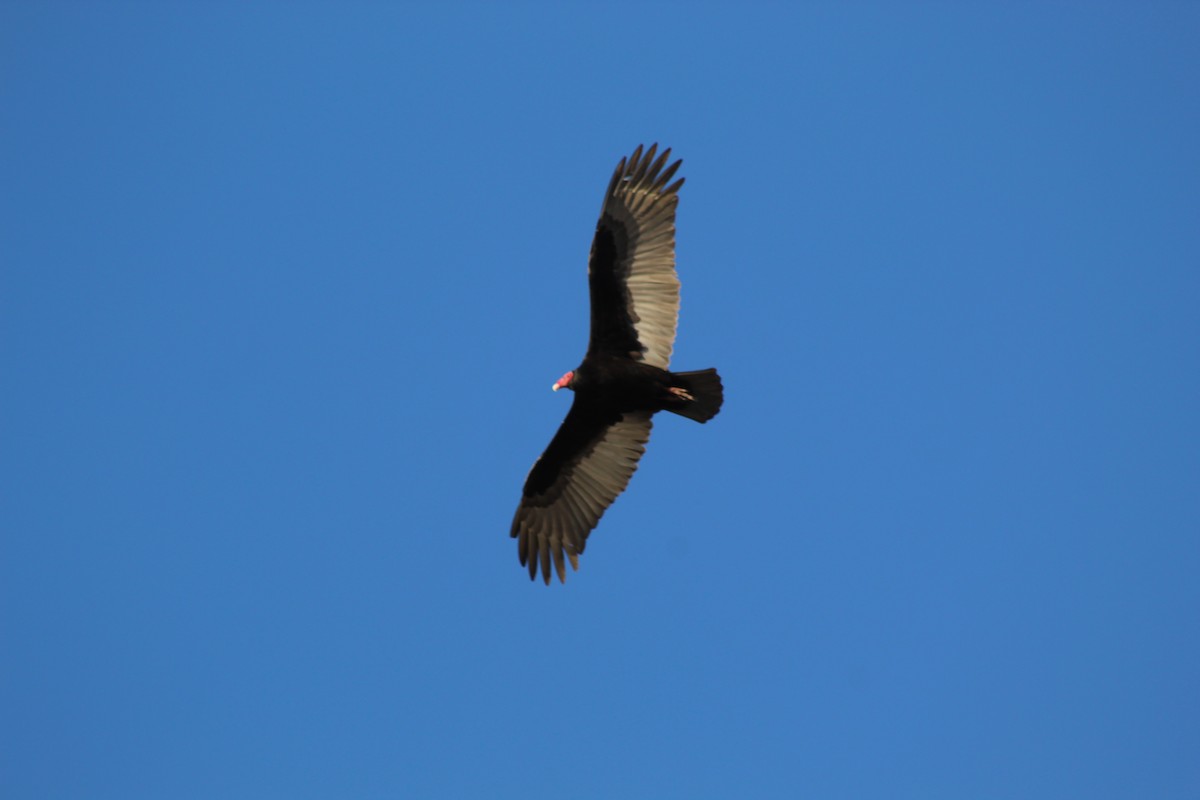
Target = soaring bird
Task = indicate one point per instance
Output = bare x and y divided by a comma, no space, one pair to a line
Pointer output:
623,380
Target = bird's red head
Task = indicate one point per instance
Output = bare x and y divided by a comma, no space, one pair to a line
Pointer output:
565,381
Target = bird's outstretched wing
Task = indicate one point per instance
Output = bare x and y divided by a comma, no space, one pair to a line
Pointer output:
631,271
588,463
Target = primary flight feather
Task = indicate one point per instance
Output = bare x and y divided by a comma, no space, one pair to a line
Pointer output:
623,380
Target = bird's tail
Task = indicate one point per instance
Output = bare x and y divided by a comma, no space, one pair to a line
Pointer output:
707,394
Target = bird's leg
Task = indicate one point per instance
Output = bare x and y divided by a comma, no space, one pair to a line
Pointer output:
680,392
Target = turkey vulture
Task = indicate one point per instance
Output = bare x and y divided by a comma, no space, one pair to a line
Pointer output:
623,380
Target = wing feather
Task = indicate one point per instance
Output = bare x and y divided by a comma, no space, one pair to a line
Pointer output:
631,272
586,466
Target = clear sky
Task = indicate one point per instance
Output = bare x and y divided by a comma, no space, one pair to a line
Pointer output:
283,288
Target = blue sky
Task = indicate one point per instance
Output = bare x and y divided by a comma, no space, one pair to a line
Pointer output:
283,290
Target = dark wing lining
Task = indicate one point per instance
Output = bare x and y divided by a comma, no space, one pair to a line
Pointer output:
587,464
631,271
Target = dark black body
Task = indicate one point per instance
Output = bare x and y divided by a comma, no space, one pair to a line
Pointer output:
622,384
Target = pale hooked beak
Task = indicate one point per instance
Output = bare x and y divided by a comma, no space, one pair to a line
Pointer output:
555,388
